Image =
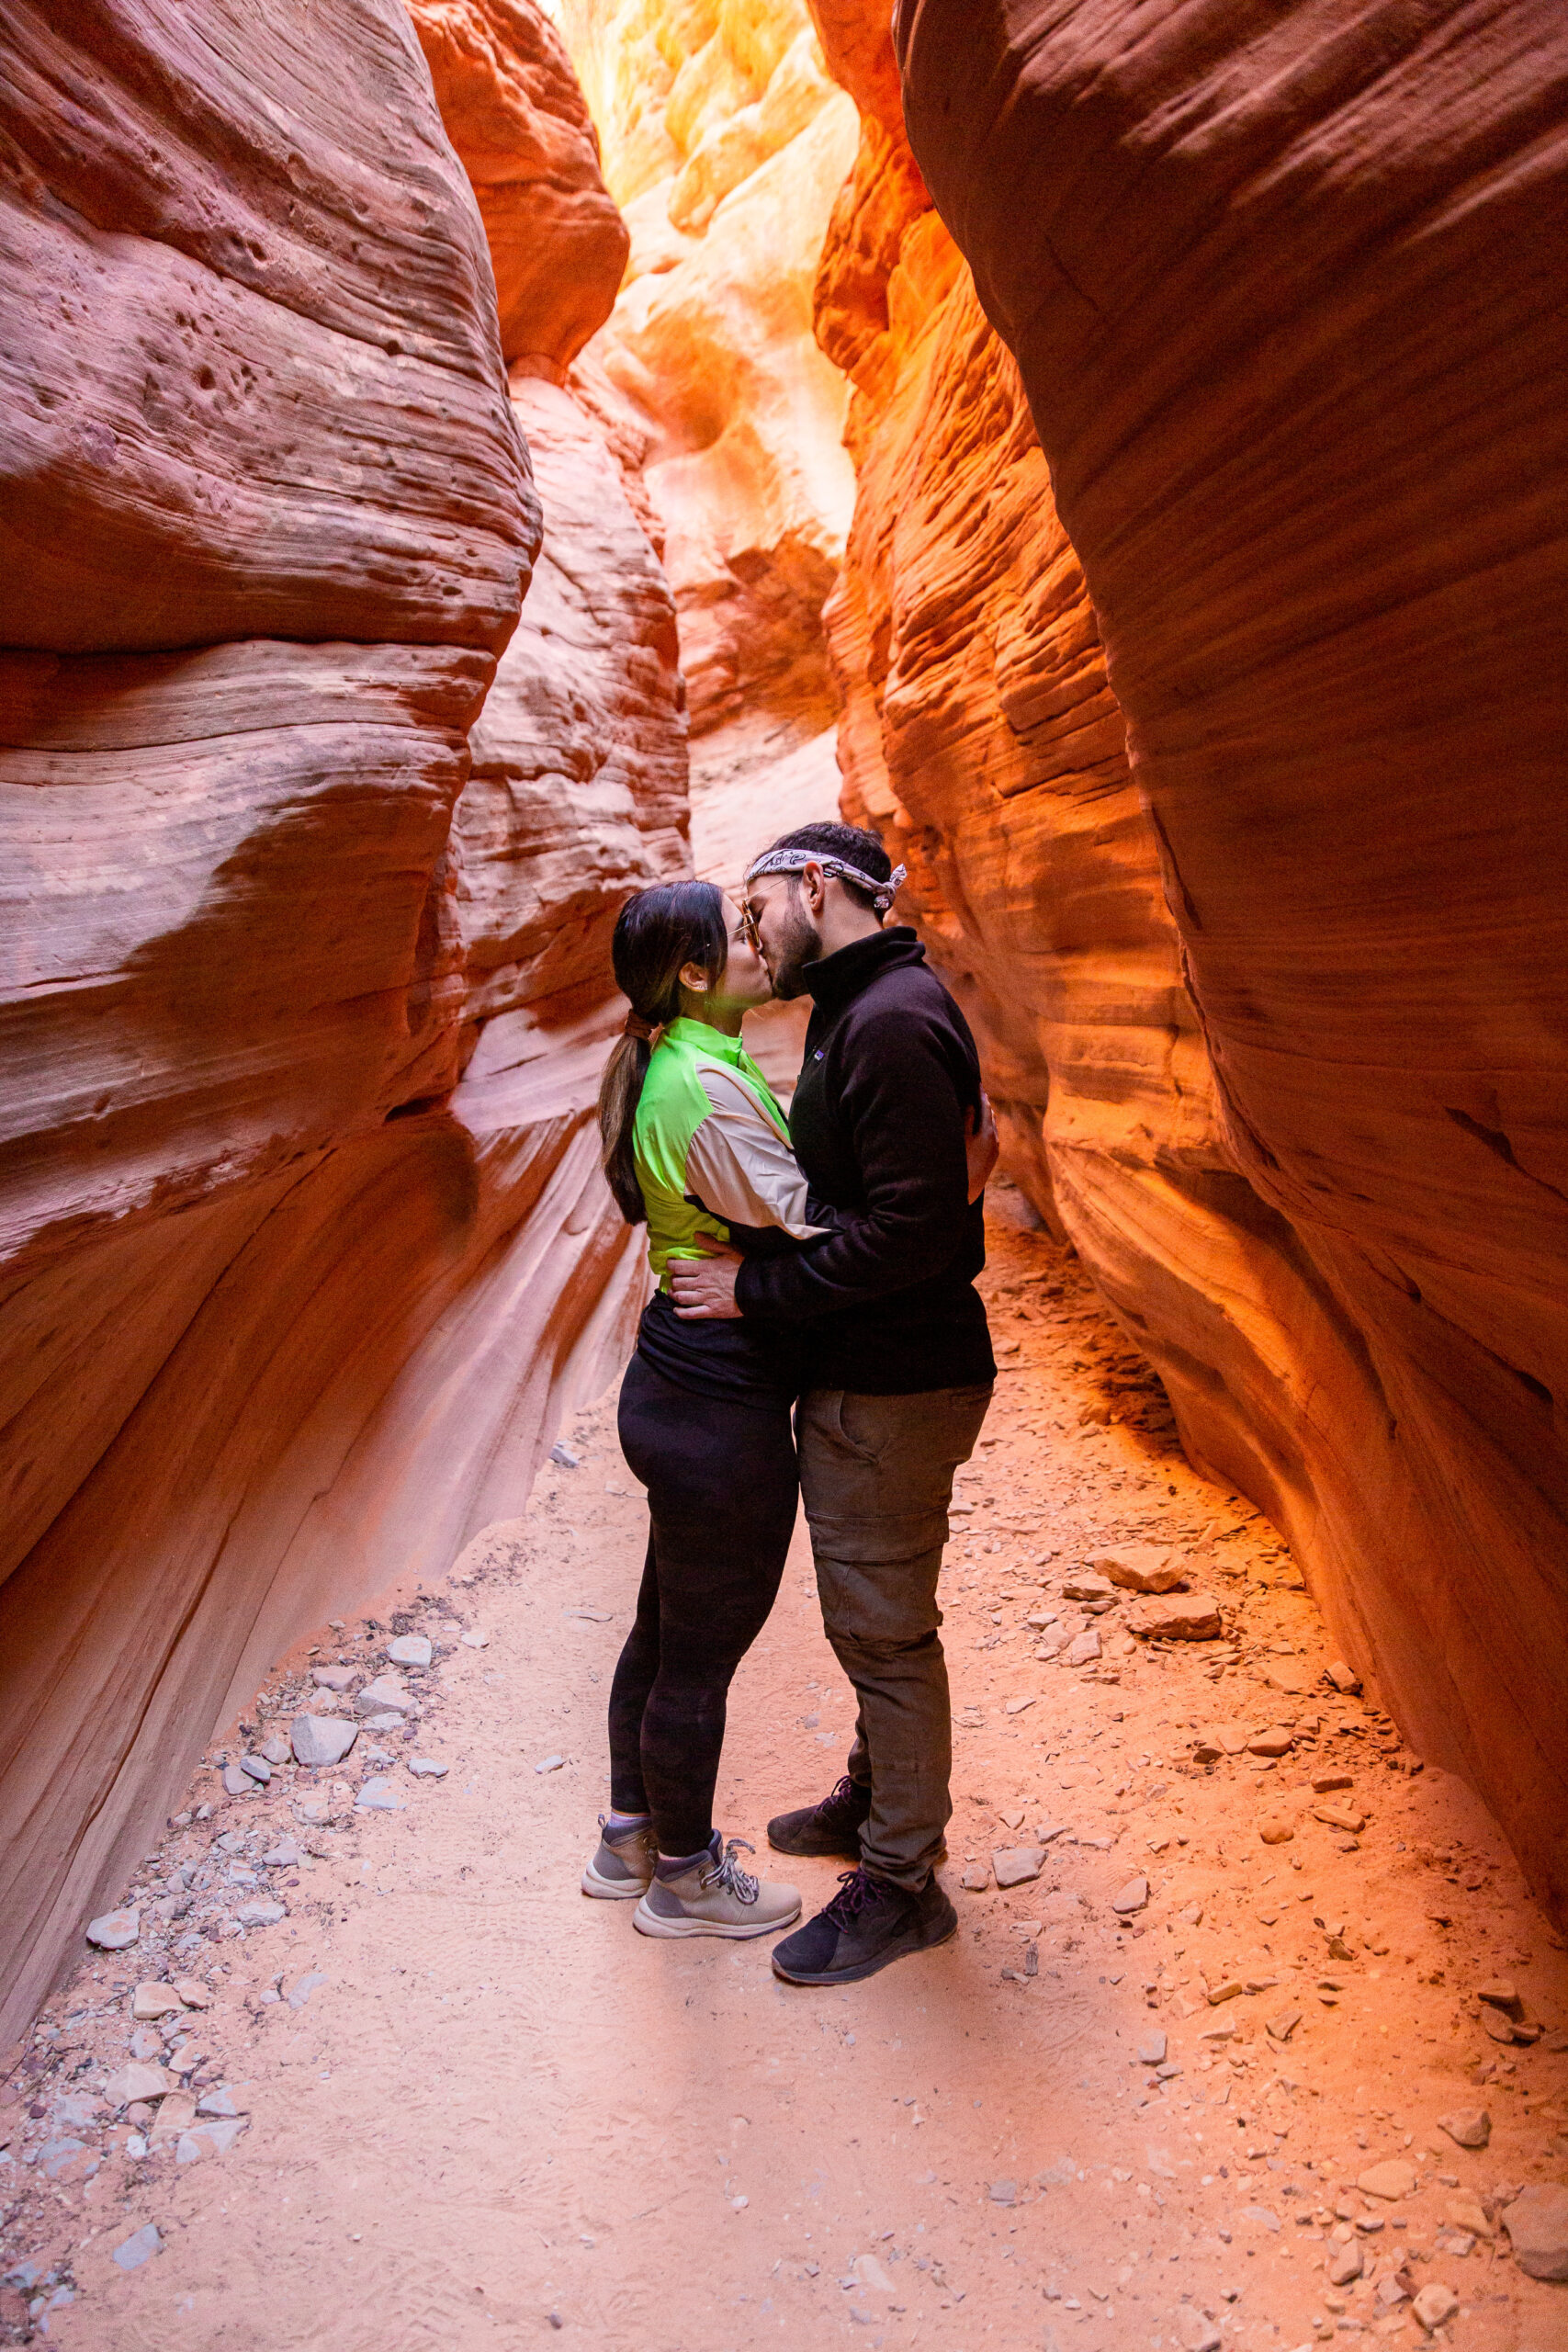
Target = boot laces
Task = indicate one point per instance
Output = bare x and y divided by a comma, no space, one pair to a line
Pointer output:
728,1875
858,1891
839,1798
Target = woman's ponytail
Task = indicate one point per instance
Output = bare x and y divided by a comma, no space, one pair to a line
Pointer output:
657,933
620,1091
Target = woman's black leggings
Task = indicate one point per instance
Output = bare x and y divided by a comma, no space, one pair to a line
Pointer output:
722,1486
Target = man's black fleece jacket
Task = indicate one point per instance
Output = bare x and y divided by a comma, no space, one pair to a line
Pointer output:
877,1122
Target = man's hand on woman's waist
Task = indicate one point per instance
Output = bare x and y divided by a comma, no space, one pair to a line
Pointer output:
703,1288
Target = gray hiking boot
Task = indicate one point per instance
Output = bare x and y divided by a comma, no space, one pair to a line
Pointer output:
717,1897
622,1866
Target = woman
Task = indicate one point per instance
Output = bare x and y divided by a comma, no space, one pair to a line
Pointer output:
694,1143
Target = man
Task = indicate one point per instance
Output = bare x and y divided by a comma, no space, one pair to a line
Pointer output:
899,1368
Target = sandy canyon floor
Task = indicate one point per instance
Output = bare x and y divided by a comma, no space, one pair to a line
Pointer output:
476,2110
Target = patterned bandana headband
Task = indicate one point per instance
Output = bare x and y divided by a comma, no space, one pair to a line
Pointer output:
795,861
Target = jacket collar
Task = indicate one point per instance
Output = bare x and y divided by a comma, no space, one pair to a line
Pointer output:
836,981
702,1037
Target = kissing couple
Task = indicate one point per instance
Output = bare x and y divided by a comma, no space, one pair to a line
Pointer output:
816,1333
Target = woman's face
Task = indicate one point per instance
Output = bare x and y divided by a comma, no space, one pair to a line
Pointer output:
744,980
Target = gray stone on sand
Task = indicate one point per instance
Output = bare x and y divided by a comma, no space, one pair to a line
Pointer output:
1467,2127
1016,1865
1537,2224
1435,2305
408,1649
386,1695
377,1795
139,2247
208,2140
321,1739
115,1930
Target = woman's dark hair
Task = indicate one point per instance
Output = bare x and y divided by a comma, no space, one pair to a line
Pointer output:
656,934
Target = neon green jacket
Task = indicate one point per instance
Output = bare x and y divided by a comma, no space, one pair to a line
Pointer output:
711,1146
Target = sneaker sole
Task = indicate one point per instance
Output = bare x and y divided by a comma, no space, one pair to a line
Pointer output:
904,1950
610,1890
649,1923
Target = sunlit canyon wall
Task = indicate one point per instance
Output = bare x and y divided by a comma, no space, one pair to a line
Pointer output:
726,143
1279,1012
302,1241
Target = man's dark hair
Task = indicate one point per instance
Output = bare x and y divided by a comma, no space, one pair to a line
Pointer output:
853,844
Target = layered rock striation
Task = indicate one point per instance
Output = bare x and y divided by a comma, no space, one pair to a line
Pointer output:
1281,300
302,1238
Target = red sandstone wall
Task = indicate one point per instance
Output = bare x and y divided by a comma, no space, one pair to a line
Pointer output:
302,1238
1283,294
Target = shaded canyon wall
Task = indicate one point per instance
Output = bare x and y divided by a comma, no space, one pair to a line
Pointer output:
304,1244
1282,297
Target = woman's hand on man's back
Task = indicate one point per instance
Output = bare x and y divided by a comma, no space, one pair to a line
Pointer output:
981,1148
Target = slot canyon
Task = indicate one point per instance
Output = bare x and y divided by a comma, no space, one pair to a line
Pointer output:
469,460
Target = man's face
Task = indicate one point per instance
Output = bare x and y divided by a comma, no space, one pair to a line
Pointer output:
786,937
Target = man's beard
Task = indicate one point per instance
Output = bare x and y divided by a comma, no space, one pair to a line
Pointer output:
799,946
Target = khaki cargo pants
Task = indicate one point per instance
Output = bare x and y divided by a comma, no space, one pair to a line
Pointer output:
876,1478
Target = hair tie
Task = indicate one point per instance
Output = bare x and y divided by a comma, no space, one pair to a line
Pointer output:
635,1025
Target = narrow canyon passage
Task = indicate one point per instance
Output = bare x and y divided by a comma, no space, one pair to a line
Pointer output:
476,2109
470,461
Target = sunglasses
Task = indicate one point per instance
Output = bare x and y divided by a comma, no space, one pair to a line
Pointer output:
749,925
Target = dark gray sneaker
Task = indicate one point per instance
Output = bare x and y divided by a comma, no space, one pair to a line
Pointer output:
831,1828
622,1868
869,1922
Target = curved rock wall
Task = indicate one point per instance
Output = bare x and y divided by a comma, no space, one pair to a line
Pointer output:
302,1238
1281,297
726,144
